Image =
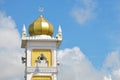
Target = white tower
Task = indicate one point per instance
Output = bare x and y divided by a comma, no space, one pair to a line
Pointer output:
40,50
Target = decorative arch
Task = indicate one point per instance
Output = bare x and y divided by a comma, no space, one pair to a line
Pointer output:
37,52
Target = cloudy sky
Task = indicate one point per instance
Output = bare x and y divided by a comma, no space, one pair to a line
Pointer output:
91,37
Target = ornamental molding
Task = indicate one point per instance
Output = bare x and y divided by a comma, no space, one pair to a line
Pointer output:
42,70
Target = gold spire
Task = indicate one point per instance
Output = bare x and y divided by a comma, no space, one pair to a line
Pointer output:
41,27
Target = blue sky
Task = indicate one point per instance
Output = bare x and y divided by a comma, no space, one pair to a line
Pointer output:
91,25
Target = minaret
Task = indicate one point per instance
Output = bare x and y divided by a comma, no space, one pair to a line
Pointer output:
41,50
24,32
59,35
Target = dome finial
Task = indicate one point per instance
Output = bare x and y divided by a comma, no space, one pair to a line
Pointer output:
41,9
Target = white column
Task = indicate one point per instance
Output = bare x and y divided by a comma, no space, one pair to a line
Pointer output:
54,77
28,57
54,58
29,77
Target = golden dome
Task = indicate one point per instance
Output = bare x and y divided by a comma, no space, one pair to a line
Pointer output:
41,27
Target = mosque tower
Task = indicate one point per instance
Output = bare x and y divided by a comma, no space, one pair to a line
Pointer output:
41,50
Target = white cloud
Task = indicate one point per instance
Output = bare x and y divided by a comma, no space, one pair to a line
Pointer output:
113,60
75,66
116,74
107,77
10,52
112,65
84,10
8,32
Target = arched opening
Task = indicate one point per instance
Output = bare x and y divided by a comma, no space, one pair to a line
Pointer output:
36,54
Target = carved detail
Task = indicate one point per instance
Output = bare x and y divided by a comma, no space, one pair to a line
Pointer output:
41,61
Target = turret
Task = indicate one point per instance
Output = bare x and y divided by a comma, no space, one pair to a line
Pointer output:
24,32
59,35
40,59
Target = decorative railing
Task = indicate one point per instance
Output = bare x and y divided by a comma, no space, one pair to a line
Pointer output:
41,70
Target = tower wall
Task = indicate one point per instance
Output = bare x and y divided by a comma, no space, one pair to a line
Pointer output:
40,51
